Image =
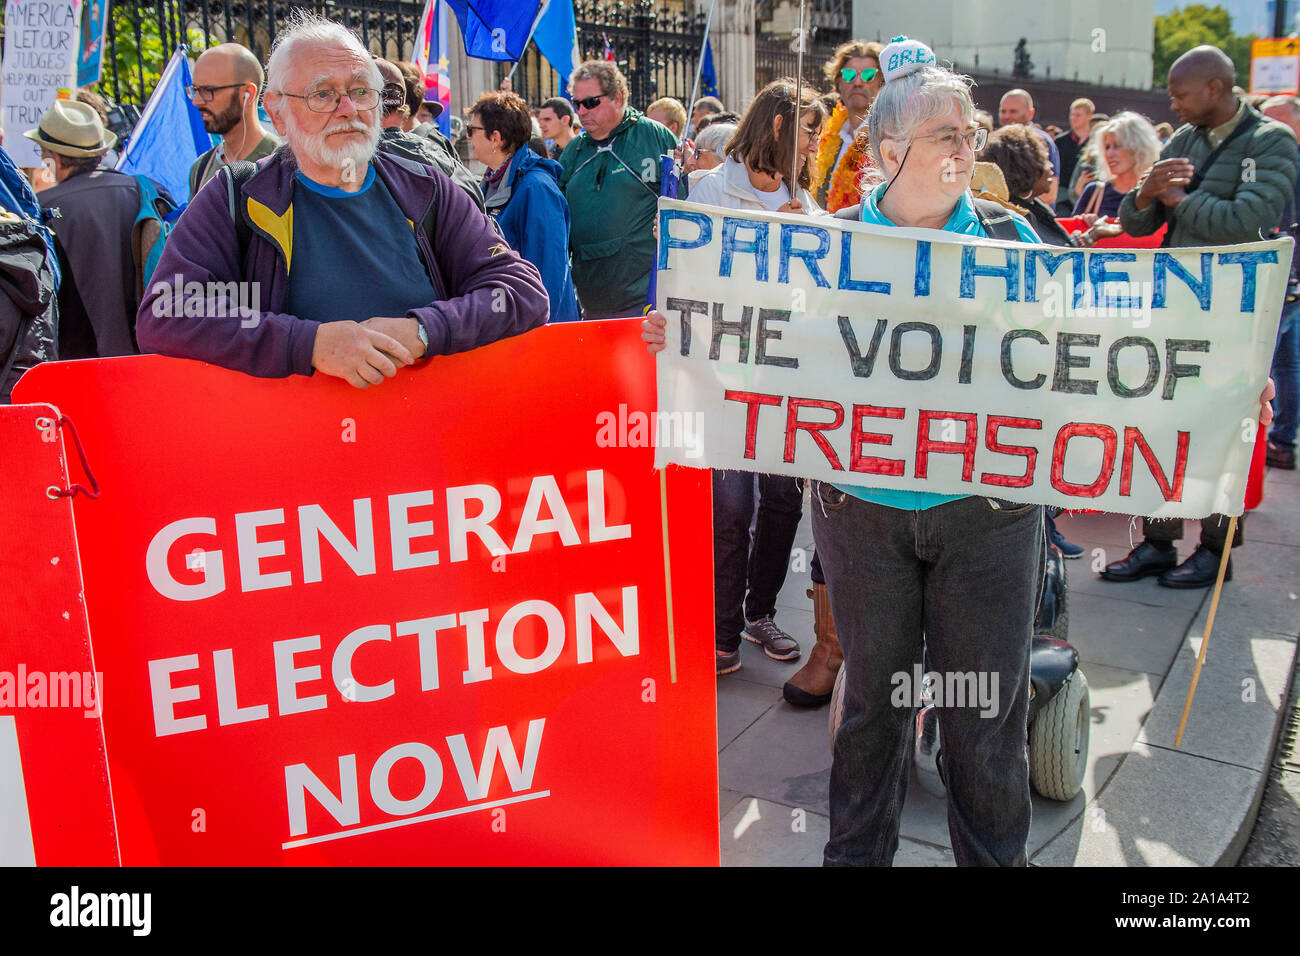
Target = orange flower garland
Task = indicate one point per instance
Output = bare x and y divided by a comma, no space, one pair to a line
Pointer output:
844,189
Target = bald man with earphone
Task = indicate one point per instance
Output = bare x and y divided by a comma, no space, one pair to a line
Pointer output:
226,84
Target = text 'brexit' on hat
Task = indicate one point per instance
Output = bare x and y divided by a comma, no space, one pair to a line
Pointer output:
903,56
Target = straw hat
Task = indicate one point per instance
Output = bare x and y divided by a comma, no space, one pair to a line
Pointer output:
70,128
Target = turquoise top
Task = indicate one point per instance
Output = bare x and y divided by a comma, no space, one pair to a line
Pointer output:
964,221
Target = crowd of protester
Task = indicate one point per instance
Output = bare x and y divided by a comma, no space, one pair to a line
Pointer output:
553,205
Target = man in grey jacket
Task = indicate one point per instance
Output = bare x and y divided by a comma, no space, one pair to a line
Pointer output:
1223,177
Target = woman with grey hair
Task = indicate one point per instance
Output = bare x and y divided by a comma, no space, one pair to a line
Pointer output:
1126,147
706,153
914,574
711,144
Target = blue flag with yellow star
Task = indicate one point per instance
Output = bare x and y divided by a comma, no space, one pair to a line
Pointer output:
708,75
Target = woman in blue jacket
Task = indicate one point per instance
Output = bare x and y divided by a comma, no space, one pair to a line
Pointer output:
522,193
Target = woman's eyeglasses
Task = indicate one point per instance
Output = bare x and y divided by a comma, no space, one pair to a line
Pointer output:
867,75
950,140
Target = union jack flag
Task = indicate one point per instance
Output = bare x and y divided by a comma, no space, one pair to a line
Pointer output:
430,57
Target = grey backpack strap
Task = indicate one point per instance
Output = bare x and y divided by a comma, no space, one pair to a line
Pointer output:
238,173
997,221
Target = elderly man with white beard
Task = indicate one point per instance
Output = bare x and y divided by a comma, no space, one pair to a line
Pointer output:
356,263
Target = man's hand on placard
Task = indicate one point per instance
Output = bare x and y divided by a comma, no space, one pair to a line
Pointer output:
359,355
793,206
652,331
403,328
1265,409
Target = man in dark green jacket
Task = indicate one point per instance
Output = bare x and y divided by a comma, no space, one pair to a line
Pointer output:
611,180
1223,178
1242,192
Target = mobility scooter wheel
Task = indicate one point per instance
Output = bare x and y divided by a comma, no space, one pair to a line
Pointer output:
1058,741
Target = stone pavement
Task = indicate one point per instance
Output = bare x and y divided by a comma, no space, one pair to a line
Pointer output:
1144,802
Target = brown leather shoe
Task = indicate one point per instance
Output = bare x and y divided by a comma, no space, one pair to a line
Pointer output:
812,685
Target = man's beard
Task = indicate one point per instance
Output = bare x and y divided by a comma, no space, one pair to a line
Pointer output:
222,123
351,155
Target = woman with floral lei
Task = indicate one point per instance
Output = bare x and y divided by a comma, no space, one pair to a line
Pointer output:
854,72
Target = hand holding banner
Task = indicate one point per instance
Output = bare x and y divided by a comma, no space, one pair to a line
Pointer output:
1123,380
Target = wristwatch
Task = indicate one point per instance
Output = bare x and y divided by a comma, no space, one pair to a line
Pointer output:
424,336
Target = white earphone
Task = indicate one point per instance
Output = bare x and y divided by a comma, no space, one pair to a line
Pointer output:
245,97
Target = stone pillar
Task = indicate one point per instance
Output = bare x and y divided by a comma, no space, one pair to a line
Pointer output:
732,39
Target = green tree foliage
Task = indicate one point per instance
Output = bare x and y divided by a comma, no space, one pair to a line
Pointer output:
1179,31
140,62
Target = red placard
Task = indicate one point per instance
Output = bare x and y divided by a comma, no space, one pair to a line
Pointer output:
311,653
1073,224
55,807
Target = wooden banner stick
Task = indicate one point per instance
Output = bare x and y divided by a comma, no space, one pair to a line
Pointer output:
1209,626
668,576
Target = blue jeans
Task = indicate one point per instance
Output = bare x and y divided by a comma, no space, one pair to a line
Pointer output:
748,570
1286,376
959,581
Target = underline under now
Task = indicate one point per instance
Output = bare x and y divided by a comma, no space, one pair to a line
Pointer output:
408,821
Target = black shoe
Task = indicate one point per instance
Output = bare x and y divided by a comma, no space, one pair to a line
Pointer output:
1281,458
1198,571
776,643
728,661
1144,560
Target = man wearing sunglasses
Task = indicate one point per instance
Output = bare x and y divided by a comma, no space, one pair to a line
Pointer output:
227,79
854,72
343,259
611,180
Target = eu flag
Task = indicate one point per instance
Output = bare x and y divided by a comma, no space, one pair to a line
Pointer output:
170,134
495,29
557,39
708,76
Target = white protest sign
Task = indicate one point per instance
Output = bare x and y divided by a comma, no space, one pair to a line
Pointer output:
1115,379
40,60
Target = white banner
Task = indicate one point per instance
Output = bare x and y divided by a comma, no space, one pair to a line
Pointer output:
40,64
1123,380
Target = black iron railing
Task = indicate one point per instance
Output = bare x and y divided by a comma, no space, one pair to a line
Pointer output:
655,46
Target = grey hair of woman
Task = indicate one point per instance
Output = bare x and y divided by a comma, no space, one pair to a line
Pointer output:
1131,131
907,103
715,137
